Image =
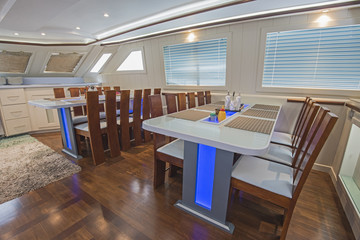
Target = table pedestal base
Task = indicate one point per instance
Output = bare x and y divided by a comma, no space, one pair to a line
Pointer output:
227,227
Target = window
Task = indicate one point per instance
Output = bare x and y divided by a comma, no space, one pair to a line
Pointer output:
196,64
326,58
14,62
133,62
100,63
63,62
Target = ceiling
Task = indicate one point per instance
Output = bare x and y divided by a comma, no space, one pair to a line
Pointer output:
83,21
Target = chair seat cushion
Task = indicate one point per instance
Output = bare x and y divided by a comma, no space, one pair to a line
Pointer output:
281,138
280,154
85,126
270,176
79,119
174,148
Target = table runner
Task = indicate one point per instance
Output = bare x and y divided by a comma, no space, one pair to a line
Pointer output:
252,124
260,113
191,115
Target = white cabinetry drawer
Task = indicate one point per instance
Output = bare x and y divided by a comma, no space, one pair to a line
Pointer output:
17,126
15,111
12,96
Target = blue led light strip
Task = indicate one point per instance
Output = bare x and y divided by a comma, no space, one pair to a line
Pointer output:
205,176
66,129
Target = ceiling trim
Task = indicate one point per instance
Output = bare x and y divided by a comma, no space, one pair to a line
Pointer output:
181,29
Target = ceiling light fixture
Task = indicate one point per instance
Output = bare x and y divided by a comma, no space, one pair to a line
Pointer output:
106,15
16,34
191,37
43,34
323,20
78,28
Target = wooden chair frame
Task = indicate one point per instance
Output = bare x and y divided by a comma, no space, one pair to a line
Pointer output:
191,100
181,101
170,103
200,98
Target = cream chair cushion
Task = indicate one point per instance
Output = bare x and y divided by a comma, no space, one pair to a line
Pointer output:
280,154
281,138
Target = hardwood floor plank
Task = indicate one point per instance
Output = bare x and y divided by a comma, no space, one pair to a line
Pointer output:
116,200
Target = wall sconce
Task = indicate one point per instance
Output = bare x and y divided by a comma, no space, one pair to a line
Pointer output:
323,19
191,37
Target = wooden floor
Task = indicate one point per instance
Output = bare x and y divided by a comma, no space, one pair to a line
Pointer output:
117,201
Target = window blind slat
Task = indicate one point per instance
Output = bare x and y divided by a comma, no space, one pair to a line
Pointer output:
197,64
327,58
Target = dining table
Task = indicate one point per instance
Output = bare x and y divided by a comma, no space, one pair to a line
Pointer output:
209,148
63,106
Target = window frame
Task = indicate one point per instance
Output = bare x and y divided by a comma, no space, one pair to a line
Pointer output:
199,37
103,66
128,52
43,68
299,90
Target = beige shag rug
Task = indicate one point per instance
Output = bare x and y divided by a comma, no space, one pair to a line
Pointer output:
26,165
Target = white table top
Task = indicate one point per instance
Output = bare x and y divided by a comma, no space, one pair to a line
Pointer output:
219,136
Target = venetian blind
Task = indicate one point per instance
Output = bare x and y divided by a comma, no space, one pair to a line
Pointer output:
14,62
196,64
63,62
325,58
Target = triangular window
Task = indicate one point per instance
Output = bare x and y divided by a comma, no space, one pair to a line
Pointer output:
133,62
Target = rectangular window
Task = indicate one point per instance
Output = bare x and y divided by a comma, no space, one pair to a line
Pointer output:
196,64
325,58
14,62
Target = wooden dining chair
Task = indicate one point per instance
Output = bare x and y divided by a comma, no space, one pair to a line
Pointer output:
146,112
200,98
75,92
277,183
286,154
93,129
208,97
111,123
181,101
123,121
191,99
164,152
83,90
136,123
106,88
117,88
59,92
170,100
287,138
157,91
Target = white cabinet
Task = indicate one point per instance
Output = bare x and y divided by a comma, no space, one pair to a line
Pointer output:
14,111
41,119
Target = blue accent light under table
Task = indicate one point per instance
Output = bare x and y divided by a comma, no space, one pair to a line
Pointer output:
66,129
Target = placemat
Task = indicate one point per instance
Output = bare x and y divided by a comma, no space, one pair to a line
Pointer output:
260,113
266,107
209,107
191,115
219,103
251,124
78,101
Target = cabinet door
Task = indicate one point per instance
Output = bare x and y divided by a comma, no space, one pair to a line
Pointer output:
41,119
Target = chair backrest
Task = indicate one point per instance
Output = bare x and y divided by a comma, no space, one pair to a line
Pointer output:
92,103
106,88
83,90
181,100
200,98
157,91
301,124
155,105
59,92
75,92
146,112
111,124
315,140
170,103
208,97
99,89
137,116
308,121
117,88
191,99
124,118
306,104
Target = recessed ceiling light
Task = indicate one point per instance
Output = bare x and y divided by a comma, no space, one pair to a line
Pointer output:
16,34
106,15
78,28
43,34
325,10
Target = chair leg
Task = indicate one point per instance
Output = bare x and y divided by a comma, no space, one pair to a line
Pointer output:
159,172
147,136
172,170
78,143
288,214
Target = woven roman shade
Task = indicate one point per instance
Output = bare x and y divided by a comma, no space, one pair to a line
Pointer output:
63,62
14,62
